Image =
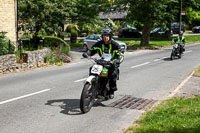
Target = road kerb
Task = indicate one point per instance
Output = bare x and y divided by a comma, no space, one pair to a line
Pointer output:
180,86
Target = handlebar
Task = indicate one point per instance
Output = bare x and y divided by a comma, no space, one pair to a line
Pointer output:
99,61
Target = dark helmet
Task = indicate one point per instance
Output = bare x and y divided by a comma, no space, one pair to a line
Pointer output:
106,31
181,33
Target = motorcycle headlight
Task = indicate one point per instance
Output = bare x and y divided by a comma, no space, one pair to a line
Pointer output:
122,47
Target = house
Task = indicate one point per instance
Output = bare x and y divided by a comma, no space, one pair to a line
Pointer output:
113,15
8,22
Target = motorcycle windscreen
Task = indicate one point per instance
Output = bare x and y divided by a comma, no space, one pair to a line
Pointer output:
106,57
176,45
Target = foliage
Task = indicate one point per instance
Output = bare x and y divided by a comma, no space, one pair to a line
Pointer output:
176,115
192,17
94,27
74,35
57,56
156,13
145,12
87,10
52,42
87,15
4,45
70,27
48,16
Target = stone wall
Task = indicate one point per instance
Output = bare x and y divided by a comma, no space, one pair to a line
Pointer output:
31,60
8,18
8,63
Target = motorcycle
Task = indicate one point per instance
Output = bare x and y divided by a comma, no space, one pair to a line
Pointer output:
96,85
176,51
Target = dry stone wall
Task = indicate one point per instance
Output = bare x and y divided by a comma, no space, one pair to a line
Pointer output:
33,59
8,63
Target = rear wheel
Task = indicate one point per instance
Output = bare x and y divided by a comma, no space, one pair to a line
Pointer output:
88,96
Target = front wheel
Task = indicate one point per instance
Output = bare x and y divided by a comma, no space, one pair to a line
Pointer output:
87,97
85,48
179,56
172,55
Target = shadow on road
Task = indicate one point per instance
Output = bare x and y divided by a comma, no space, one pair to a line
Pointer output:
70,106
167,59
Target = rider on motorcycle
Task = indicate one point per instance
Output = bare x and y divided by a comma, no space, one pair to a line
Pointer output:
108,46
181,40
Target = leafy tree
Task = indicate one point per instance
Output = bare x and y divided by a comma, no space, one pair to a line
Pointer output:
147,12
47,15
87,13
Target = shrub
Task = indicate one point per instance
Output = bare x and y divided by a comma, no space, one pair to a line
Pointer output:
70,27
53,42
73,32
74,35
57,56
4,45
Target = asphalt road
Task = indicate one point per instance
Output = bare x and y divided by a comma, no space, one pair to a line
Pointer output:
47,100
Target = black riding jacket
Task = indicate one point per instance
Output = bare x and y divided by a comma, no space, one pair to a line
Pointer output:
113,48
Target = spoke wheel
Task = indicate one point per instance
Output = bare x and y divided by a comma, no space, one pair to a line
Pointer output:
172,55
87,97
85,48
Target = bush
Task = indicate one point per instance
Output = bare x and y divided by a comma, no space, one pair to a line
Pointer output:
74,35
53,42
57,56
4,45
70,27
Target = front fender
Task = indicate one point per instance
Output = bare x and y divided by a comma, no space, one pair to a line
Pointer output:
89,79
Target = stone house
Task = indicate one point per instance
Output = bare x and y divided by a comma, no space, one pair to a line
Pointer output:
8,19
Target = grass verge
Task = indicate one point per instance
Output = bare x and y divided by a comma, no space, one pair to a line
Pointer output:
197,72
156,42
176,115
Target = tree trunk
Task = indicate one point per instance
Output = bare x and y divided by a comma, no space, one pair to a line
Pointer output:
145,35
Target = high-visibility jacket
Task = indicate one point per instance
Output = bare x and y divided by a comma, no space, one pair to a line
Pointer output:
181,40
113,48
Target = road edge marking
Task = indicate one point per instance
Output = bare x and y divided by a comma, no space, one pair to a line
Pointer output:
24,96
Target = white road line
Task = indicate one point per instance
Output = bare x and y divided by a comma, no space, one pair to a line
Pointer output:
77,63
140,65
80,80
188,51
161,58
28,95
